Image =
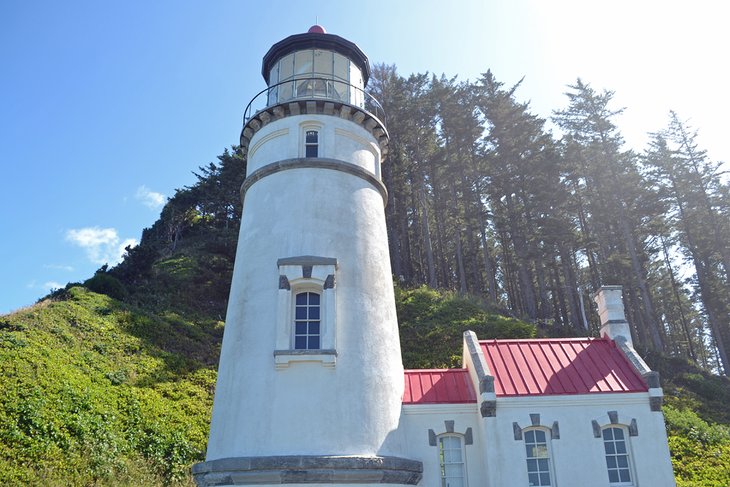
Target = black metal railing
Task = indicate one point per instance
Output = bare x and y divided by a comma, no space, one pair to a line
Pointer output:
313,88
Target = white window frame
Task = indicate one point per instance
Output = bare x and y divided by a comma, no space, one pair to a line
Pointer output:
295,293
308,126
444,462
308,144
293,281
548,450
627,454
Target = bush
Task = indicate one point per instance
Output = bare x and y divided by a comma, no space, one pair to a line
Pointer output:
104,283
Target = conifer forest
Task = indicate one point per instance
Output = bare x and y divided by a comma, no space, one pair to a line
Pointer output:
534,215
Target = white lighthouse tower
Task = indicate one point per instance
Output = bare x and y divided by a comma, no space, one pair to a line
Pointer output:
310,379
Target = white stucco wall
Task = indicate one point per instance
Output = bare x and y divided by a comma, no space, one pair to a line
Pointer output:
307,408
496,459
416,420
338,139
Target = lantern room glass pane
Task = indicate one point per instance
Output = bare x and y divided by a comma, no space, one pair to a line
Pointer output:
342,67
273,79
286,67
356,96
341,77
303,62
323,63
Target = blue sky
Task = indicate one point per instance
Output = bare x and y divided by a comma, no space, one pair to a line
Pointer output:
107,107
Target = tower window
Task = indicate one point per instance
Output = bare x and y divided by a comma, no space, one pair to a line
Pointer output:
311,144
307,321
617,456
451,458
538,457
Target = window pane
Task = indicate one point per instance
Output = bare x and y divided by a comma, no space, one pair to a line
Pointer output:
301,328
623,461
613,476
314,313
303,62
274,74
611,461
273,96
541,451
311,137
534,479
323,62
544,479
301,313
453,470
531,465
286,67
625,477
302,298
314,342
342,67
314,328
608,434
530,436
305,88
300,342
542,464
311,151
620,447
540,436
610,449
286,92
618,433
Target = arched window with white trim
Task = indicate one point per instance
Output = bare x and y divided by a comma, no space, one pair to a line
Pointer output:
618,456
451,460
537,449
311,143
307,321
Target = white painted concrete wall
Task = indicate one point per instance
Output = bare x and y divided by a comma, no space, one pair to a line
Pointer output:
338,139
416,420
306,408
496,459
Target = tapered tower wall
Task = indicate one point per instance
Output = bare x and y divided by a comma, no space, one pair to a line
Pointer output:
288,409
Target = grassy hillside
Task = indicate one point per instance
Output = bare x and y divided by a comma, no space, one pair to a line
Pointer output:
96,392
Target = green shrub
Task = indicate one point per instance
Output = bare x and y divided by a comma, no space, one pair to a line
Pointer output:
109,285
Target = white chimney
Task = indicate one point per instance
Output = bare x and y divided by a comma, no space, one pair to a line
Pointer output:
611,311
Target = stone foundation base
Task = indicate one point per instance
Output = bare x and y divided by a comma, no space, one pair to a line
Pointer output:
306,469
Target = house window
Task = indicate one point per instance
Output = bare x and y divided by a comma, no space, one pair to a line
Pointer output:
451,459
311,143
307,321
538,457
617,456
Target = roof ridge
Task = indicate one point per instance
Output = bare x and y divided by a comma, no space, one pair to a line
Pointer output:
562,339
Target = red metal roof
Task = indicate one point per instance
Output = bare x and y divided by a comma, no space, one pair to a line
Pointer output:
559,366
438,386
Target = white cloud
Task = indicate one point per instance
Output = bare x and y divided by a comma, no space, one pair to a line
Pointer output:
51,285
102,245
149,198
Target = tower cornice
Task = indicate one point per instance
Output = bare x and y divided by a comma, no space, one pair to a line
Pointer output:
346,111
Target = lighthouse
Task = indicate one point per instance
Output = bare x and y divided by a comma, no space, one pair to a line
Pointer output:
310,380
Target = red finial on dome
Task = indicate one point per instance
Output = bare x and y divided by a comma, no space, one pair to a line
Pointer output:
316,29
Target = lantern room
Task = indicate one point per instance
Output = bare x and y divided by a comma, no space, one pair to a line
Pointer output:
315,65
